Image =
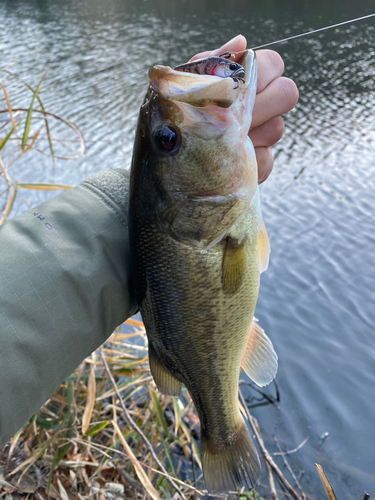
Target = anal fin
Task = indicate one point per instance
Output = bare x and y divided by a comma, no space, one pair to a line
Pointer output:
260,359
166,383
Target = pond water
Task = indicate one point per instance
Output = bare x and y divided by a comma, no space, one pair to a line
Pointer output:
317,297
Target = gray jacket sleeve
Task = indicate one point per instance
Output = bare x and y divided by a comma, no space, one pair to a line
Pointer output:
64,287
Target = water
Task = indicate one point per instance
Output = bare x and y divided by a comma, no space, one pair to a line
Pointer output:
317,297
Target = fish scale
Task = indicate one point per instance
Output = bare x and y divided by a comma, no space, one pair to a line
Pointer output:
187,330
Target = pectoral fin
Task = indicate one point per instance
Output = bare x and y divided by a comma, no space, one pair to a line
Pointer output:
260,360
264,248
166,383
233,264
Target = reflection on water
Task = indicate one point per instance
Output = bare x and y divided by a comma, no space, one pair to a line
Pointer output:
316,300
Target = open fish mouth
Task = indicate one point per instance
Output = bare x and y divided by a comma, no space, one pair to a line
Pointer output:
202,90
239,73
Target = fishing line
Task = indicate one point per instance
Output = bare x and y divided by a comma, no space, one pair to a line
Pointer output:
314,31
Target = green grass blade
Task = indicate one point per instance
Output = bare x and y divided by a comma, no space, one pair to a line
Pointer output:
4,140
193,443
58,456
166,451
96,428
159,413
177,414
42,107
28,116
196,451
46,424
67,421
166,494
70,393
34,138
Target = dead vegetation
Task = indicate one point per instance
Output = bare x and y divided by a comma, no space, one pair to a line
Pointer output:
82,444
28,130
108,433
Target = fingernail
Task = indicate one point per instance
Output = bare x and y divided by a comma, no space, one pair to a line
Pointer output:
233,39
227,45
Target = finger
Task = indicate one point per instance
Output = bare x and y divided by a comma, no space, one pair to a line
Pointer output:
270,66
279,97
237,44
265,163
268,133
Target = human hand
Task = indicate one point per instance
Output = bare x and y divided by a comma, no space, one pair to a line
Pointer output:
276,95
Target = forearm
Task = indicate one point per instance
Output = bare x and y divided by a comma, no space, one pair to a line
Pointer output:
64,287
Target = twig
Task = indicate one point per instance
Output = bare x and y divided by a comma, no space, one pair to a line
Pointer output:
289,452
5,173
133,483
290,469
135,427
268,469
277,389
271,399
193,469
253,423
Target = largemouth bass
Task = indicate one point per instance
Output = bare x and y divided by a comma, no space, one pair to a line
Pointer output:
198,248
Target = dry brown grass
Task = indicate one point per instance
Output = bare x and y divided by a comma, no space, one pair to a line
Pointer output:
31,130
80,444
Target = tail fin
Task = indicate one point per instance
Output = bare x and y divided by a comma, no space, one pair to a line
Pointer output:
228,468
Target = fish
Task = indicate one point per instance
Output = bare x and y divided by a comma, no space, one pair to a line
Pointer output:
216,66
198,246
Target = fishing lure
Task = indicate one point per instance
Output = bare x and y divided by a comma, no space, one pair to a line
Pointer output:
215,66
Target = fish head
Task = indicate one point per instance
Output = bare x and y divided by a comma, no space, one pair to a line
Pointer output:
192,137
231,69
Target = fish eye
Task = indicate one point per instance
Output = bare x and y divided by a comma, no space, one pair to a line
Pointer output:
166,139
233,66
